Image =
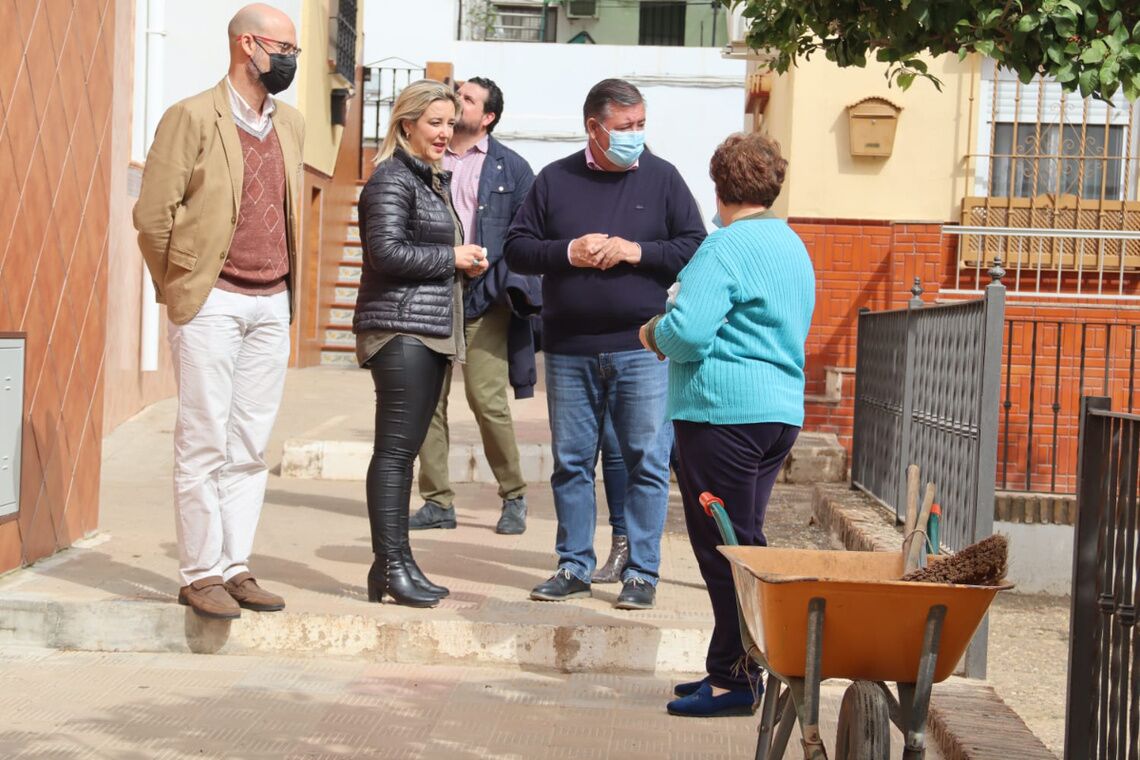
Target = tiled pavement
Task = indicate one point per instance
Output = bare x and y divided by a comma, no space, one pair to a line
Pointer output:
79,705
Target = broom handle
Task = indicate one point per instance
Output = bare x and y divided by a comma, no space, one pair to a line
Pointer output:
917,547
911,507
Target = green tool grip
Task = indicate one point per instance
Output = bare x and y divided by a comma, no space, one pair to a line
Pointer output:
714,508
932,530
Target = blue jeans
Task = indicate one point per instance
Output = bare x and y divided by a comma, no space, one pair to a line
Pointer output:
614,478
630,388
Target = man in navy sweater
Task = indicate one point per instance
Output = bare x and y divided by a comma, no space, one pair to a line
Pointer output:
609,228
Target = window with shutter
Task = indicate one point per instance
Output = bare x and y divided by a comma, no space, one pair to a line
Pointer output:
1056,162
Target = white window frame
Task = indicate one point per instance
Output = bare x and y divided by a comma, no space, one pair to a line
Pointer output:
517,11
1058,108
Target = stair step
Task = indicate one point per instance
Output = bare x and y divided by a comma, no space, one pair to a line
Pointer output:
337,359
339,316
351,253
345,294
347,274
353,232
339,337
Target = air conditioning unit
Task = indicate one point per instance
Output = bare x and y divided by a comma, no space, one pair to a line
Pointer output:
581,8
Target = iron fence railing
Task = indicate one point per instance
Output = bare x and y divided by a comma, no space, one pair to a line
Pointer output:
1074,262
383,83
926,393
1103,706
1048,366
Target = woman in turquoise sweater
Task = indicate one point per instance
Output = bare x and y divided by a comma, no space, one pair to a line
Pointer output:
734,332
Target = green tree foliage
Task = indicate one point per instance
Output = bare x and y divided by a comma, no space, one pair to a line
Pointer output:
1088,45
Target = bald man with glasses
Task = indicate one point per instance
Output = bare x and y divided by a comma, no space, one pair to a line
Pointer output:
217,221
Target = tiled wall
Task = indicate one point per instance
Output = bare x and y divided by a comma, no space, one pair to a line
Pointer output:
56,75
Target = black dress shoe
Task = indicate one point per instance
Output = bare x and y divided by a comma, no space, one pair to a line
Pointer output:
560,587
432,515
636,594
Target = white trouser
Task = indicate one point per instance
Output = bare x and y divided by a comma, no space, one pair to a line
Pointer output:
229,363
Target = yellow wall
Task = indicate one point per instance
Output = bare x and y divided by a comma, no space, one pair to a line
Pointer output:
925,177
315,84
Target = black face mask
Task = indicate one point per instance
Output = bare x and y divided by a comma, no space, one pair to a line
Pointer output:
282,68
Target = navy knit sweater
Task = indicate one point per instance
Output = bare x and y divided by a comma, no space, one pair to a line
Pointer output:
588,311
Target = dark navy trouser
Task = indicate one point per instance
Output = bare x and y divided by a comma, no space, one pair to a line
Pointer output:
738,464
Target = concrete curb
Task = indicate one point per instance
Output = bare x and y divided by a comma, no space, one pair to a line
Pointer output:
816,458
160,626
968,719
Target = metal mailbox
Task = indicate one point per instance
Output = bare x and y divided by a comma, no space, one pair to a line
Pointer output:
872,123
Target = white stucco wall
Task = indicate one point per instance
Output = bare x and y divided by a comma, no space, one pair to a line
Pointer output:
695,98
1040,557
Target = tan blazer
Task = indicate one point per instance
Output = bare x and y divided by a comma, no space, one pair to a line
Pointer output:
191,192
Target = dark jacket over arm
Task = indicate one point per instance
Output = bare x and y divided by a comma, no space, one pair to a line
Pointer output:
503,186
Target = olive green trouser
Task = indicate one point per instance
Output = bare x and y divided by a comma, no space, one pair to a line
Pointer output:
485,383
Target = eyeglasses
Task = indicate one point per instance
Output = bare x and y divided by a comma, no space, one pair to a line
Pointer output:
284,48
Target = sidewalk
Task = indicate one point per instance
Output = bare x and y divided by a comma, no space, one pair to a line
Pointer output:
117,591
545,662
176,707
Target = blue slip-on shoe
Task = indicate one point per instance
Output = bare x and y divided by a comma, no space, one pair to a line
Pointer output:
685,689
702,703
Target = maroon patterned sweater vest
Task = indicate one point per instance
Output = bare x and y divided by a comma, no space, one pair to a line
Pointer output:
258,261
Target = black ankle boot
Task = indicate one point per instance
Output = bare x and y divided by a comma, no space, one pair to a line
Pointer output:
390,576
418,576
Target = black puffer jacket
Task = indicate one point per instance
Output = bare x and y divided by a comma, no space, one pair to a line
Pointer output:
408,233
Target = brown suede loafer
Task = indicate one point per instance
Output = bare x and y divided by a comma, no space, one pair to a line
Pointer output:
208,597
244,589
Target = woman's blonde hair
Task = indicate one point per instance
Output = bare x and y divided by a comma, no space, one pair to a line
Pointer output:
413,101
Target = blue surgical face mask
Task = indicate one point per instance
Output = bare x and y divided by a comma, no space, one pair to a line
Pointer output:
625,147
717,221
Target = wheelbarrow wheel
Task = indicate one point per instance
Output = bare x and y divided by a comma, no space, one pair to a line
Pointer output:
864,724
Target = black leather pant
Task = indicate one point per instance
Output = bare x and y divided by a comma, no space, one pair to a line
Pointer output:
408,377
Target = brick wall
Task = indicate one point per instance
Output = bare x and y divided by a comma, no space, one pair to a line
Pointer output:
873,264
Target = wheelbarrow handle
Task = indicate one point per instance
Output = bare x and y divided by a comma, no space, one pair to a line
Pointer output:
714,508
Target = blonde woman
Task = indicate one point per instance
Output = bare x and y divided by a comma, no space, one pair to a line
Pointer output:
409,318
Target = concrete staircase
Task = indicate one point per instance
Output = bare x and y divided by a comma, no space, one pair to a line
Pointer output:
339,346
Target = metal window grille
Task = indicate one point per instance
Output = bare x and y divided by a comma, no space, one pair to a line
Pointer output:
1052,161
519,23
662,23
342,40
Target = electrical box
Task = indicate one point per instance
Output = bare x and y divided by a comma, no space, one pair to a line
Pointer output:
11,422
872,123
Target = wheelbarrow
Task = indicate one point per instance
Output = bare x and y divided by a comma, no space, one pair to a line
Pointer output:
807,615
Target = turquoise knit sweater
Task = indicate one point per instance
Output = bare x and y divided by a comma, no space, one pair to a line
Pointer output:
735,330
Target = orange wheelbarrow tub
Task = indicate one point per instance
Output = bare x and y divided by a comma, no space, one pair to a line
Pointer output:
875,622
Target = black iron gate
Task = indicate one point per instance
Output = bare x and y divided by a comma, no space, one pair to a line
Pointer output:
1103,705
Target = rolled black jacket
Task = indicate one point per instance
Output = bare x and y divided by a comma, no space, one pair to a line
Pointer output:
409,236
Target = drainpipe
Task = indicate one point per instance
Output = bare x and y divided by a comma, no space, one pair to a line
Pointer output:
716,11
155,53
542,22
